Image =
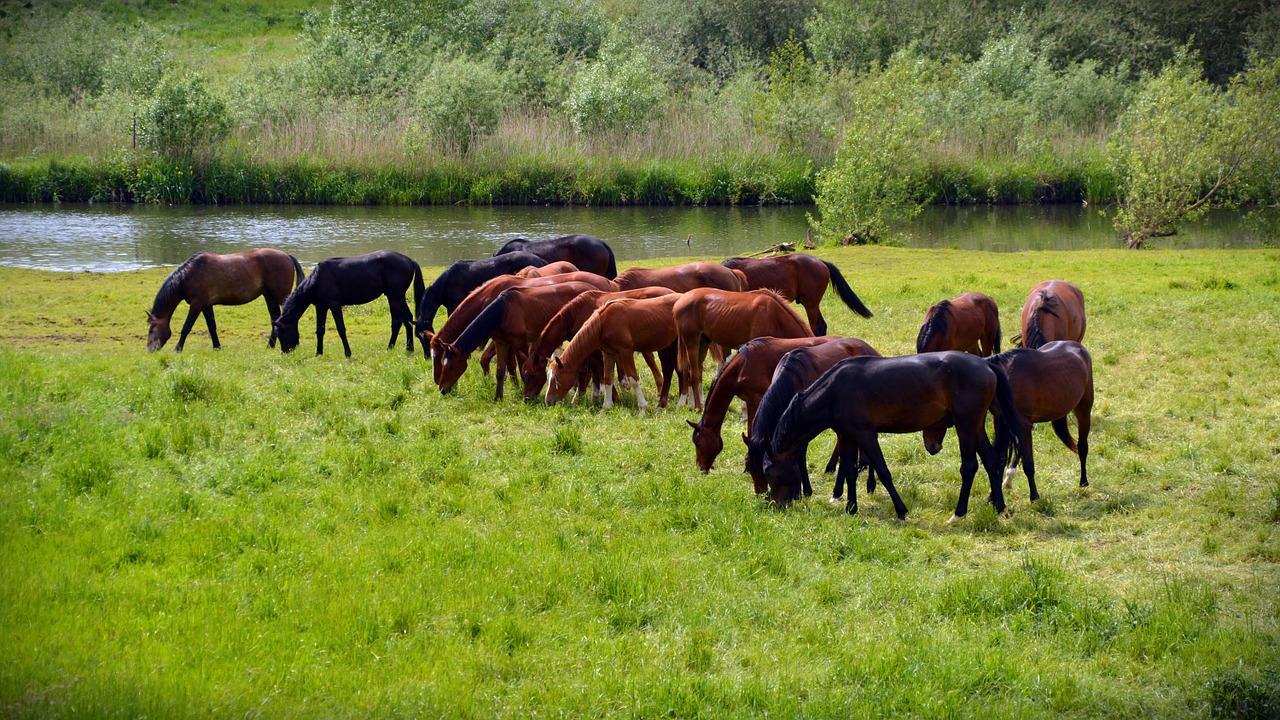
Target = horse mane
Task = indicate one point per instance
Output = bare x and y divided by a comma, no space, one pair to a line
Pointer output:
784,386
588,336
1048,304
170,293
484,324
298,300
786,306
934,324
738,358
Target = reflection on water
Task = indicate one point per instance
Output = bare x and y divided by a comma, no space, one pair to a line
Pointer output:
108,238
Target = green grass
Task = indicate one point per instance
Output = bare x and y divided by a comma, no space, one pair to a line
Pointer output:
243,532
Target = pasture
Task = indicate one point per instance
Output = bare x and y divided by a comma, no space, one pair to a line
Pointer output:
243,532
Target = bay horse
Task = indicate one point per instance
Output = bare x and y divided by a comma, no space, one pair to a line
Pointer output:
479,299
969,323
206,279
619,329
729,319
458,280
565,324
340,281
1048,384
586,252
800,278
747,375
796,370
864,396
683,278
1053,311
512,321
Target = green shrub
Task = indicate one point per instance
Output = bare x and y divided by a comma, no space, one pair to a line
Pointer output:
183,116
460,101
621,90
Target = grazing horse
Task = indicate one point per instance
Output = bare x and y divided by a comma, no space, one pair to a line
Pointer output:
747,375
1048,384
205,280
458,280
585,252
511,321
683,278
800,278
562,327
558,267
969,323
794,371
728,319
340,281
1054,311
479,299
864,396
619,329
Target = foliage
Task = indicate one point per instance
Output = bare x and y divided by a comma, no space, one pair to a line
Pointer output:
139,60
183,116
66,53
876,176
459,100
792,109
364,47
620,90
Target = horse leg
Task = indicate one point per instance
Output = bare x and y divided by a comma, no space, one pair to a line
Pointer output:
868,444
1082,429
606,380
321,317
273,309
803,459
627,363
186,328
504,353
817,323
1029,463
342,330
667,360
487,356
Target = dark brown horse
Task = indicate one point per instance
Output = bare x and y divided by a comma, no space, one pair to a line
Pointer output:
864,396
586,252
800,278
205,280
337,282
728,319
565,324
458,280
1053,311
512,321
1048,385
619,329
683,278
969,323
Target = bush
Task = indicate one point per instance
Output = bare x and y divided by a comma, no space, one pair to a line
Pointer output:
459,101
620,90
183,116
792,111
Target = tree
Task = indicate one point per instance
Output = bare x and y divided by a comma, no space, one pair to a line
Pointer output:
182,116
460,100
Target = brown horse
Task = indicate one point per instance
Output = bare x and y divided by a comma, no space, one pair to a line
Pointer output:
728,319
512,321
1048,384
683,278
1054,311
556,268
479,299
800,278
747,375
562,327
584,251
969,323
619,329
205,280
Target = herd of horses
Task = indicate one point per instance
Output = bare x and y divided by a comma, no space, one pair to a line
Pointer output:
558,315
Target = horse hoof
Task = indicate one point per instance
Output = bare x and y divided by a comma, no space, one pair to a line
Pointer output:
955,519
833,500
1005,514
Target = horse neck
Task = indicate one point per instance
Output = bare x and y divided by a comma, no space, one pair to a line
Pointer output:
584,342
483,327
556,331
723,389
169,295
298,301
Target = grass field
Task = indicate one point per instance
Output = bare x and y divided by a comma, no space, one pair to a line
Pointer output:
244,533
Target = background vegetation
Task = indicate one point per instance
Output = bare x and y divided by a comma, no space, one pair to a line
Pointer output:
246,533
588,101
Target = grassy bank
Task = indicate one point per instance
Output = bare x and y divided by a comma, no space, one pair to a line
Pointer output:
241,532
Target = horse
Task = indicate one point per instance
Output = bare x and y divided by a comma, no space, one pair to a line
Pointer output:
969,323
1048,384
562,327
558,267
864,396
458,280
800,278
794,371
513,320
480,298
683,278
585,251
206,279
747,375
728,319
619,329
1053,311
340,281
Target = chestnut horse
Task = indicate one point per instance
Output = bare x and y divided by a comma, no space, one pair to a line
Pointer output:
337,282
683,278
562,327
1053,311
458,280
585,252
969,323
205,280
1048,384
556,268
800,278
511,321
728,319
619,329
864,396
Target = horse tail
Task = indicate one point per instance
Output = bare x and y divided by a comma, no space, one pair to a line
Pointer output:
1008,423
743,283
419,285
484,325
845,292
934,324
298,274
611,272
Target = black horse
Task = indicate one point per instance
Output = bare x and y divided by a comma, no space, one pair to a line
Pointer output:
863,396
461,278
584,251
340,281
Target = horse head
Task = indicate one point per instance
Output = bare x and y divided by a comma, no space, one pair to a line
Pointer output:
706,446
534,375
453,363
158,332
560,380
784,475
287,333
756,452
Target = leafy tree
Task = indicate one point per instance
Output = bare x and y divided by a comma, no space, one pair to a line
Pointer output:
621,90
183,116
364,47
792,108
460,100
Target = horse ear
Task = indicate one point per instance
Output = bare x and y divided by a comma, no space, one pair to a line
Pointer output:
745,440
692,424
150,317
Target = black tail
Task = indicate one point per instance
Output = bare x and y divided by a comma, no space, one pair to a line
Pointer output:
419,287
611,272
483,327
1008,422
845,292
297,271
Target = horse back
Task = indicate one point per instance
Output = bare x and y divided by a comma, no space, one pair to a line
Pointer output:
1049,382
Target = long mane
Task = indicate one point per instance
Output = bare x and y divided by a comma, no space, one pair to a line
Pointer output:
586,339
786,307
170,293
935,324
785,385
1035,334
298,300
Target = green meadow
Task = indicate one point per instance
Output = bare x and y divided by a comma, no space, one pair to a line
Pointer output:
246,533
